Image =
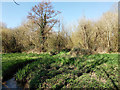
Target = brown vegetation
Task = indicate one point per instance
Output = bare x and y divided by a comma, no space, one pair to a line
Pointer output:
88,37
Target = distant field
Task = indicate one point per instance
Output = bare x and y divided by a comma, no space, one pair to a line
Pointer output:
62,71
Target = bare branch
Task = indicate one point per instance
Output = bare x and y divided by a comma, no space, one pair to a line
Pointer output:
15,2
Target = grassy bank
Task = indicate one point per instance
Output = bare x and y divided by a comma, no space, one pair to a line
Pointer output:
14,61
61,71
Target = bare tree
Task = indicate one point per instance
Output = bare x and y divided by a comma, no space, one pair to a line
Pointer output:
43,15
15,2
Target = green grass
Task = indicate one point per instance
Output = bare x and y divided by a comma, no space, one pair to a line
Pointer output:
14,61
63,71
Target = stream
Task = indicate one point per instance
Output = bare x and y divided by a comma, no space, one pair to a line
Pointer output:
11,83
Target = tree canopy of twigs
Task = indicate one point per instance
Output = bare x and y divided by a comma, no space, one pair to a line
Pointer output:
43,15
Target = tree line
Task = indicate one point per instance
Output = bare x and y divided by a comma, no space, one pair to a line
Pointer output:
37,33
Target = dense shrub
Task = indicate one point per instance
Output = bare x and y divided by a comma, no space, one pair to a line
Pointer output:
9,42
76,51
16,40
56,42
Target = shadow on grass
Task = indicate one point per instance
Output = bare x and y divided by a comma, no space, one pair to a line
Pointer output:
115,86
85,69
14,68
42,77
89,68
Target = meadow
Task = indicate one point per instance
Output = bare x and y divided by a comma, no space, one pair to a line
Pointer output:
45,51
62,70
